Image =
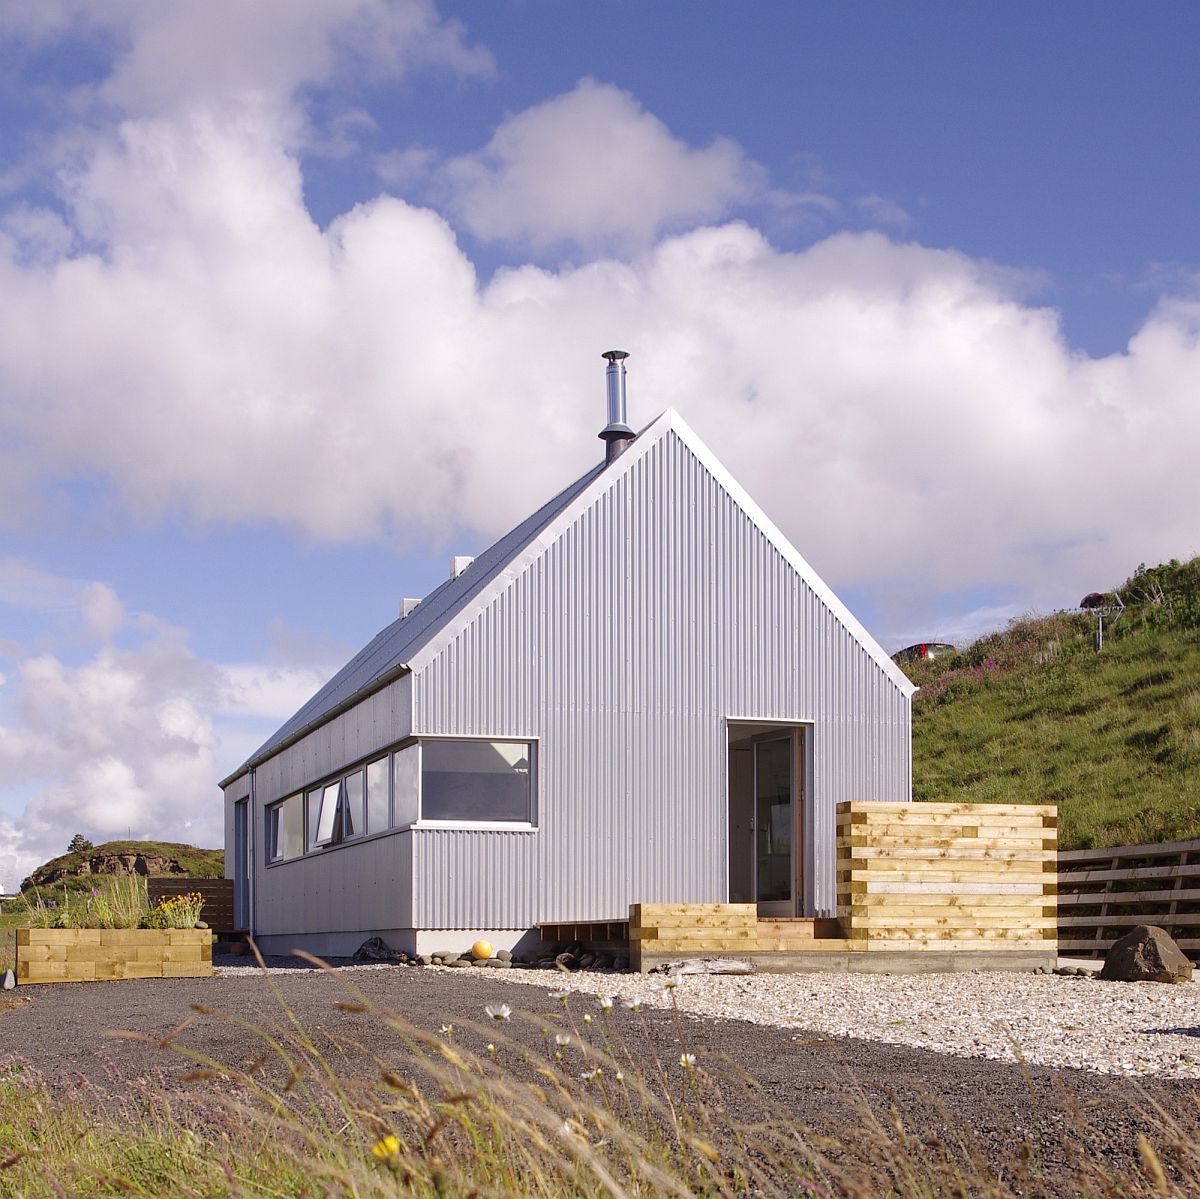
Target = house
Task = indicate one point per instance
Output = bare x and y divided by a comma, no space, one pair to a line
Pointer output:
642,693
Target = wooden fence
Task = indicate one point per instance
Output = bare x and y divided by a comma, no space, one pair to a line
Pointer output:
218,897
947,876
1103,893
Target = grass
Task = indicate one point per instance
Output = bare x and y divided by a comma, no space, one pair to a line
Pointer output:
1035,715
596,1111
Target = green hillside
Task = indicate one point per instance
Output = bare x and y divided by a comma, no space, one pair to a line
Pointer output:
83,869
1036,715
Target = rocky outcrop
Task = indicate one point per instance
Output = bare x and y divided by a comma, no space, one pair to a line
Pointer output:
98,862
1147,954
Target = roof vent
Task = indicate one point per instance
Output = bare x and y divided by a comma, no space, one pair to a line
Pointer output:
407,605
459,563
616,435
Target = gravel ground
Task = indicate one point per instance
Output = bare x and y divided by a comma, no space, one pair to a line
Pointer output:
1132,1029
821,1081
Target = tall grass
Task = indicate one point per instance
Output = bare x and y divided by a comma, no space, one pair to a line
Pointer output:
587,1105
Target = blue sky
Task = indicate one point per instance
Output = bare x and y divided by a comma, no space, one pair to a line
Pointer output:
303,298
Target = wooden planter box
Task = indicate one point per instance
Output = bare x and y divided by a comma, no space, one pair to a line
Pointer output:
60,955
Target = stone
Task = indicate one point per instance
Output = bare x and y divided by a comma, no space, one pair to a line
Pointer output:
424,959
480,961
374,949
460,962
200,924
497,964
504,955
10,980
1147,954
586,960
565,961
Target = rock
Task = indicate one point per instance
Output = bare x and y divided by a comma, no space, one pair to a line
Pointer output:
497,964
504,955
480,961
374,949
424,959
10,980
459,962
586,960
1147,954
565,961
200,924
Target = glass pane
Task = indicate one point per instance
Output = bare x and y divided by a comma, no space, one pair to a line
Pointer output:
314,816
352,811
377,796
286,829
406,769
475,780
325,826
773,818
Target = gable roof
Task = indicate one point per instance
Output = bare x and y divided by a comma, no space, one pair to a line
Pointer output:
408,643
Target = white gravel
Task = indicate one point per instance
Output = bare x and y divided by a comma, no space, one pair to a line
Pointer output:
1133,1029
1138,1029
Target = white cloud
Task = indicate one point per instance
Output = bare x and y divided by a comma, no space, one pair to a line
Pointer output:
592,168
131,740
207,51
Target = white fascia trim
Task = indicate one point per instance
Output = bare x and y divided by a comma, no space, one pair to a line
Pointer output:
666,422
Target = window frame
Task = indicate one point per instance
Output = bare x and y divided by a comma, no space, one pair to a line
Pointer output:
530,824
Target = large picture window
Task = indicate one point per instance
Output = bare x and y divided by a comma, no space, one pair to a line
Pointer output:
477,781
285,829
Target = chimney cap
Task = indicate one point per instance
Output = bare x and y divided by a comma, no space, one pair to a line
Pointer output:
615,355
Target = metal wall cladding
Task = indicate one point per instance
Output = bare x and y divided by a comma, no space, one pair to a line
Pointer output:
376,723
364,884
661,613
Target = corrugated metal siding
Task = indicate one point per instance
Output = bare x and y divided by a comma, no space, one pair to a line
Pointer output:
660,613
357,886
379,721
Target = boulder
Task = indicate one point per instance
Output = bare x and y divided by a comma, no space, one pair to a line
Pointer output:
1147,954
10,980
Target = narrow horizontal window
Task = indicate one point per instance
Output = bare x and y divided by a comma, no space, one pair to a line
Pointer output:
477,781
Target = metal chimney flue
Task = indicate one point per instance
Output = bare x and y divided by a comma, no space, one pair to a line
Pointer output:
617,434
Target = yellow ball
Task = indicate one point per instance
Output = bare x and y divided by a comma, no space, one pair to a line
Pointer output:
482,950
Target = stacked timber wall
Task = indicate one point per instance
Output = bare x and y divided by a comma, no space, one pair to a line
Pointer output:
939,876
1103,893
57,955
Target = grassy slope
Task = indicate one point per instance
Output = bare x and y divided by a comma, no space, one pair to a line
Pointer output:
195,863
1036,715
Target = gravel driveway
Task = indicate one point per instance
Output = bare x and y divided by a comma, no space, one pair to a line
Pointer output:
814,1078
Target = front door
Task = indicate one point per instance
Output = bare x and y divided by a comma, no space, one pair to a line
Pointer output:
774,821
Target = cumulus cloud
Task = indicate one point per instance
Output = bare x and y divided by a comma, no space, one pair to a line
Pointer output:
591,168
905,413
206,51
132,739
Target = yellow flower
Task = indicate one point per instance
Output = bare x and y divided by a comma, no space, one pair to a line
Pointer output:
387,1148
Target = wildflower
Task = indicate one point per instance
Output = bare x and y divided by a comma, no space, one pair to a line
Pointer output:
687,1060
491,1048
587,1017
500,1011
604,1002
620,1076
562,1039
447,1029
591,1075
667,983
634,1005
562,996
387,1148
